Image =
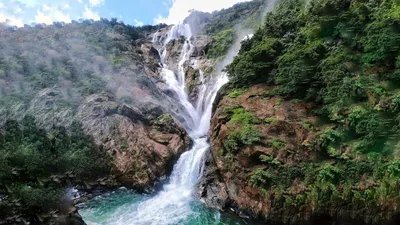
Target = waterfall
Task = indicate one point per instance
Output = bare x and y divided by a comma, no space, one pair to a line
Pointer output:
172,204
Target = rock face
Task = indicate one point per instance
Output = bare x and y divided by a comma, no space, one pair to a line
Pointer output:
198,21
262,149
132,124
227,178
127,113
143,143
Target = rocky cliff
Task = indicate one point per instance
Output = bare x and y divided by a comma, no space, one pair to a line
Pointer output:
248,129
260,147
110,89
302,135
114,96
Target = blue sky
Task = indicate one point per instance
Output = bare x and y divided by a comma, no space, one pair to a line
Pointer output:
135,12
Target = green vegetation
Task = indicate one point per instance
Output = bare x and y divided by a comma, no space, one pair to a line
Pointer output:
77,59
50,71
224,23
271,120
332,59
222,42
308,125
231,17
36,166
344,57
277,143
236,93
242,131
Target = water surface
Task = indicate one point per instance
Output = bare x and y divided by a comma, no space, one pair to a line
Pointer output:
111,208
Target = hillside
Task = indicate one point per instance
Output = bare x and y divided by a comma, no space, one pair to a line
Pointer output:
80,107
307,129
305,132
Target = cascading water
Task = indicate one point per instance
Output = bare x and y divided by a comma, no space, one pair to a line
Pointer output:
175,203
171,205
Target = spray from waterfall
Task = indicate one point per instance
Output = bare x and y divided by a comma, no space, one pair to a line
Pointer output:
172,204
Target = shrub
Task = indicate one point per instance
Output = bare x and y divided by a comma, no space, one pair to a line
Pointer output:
261,178
329,173
243,132
277,143
329,137
38,198
221,43
236,93
25,162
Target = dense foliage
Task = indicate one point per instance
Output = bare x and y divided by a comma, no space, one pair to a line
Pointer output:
343,56
242,132
224,24
36,166
78,59
48,72
233,16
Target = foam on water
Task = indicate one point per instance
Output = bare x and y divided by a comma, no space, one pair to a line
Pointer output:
172,205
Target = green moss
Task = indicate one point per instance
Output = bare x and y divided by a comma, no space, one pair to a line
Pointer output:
270,120
329,173
124,145
243,135
333,152
266,158
308,125
236,93
241,116
164,119
277,143
242,131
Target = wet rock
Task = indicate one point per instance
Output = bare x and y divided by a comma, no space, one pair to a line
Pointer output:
140,153
197,21
202,43
226,182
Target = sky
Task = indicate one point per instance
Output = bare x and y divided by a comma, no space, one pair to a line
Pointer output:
134,12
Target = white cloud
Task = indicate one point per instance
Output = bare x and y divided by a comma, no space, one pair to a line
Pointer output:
11,20
95,3
15,22
49,14
138,23
89,14
43,18
179,9
19,12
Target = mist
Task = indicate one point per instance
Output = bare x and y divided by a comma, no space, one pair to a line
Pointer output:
49,71
241,33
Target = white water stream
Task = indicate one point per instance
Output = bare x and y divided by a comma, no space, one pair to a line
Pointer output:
173,204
